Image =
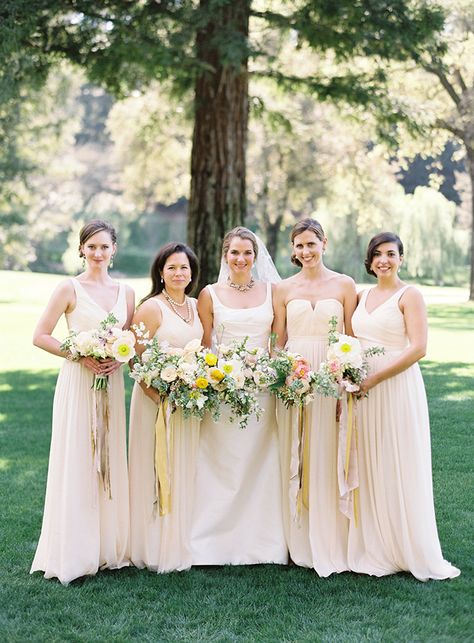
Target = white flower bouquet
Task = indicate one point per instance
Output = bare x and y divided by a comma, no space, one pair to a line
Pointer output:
293,380
346,365
237,373
106,341
178,374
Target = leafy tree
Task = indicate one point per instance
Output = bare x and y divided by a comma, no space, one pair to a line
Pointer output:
438,94
211,46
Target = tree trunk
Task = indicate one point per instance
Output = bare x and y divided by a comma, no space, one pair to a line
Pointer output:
218,200
470,162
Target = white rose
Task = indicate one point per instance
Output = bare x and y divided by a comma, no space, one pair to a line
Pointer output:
85,342
169,374
189,358
239,379
193,346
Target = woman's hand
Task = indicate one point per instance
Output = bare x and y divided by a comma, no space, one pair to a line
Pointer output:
366,385
110,366
100,367
153,394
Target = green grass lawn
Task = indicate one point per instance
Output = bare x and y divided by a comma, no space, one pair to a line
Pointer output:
260,603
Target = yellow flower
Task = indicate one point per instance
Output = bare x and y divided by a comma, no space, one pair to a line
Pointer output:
211,359
201,382
228,368
345,348
216,374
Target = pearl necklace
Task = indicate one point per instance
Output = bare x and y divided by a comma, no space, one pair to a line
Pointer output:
174,305
241,287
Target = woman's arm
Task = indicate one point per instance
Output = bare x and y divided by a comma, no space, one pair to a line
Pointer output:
414,312
130,296
279,315
62,300
150,314
206,315
349,303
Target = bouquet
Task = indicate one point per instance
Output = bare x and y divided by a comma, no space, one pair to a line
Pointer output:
346,365
293,380
180,375
101,343
237,373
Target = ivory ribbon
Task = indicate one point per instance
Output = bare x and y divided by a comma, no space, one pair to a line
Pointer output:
299,463
100,438
163,449
347,466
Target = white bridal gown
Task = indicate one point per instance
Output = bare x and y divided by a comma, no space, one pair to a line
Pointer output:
237,516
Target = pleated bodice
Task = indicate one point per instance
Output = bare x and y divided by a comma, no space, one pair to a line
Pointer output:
88,314
175,330
384,326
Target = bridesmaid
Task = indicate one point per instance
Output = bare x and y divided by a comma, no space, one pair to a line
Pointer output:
161,543
85,529
397,529
316,530
237,514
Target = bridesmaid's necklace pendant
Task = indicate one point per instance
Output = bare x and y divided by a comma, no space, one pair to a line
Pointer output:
241,287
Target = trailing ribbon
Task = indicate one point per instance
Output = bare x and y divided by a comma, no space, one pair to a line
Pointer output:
299,464
163,448
100,438
347,465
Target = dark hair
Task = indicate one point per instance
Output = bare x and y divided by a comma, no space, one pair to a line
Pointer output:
92,227
375,242
305,224
242,233
159,263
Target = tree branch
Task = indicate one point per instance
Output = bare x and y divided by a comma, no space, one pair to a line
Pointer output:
443,124
460,79
443,79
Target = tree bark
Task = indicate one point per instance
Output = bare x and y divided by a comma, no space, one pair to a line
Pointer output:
470,162
218,199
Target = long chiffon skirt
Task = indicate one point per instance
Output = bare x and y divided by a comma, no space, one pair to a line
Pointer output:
160,543
83,529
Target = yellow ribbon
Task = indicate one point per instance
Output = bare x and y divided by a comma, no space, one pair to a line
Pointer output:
303,464
162,463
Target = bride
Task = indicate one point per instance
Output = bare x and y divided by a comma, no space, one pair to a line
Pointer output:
237,516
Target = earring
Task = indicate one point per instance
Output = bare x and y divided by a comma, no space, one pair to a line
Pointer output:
83,262
162,280
111,264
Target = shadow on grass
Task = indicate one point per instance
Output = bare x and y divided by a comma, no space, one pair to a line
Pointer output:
451,317
254,603
448,380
